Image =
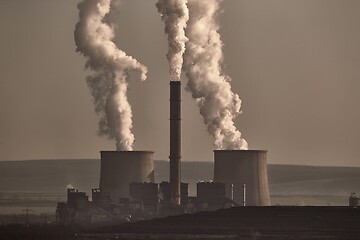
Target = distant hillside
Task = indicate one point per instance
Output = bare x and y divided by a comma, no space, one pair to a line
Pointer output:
53,176
48,175
310,180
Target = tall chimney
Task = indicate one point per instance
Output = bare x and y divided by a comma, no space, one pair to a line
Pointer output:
175,141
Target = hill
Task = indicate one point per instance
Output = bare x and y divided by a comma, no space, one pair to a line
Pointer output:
54,176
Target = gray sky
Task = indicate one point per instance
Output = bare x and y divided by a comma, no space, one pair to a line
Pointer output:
294,63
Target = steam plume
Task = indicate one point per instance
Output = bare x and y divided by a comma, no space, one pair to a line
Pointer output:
209,86
175,14
110,66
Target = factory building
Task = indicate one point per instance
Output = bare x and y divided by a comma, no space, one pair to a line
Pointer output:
101,199
147,195
76,209
79,210
211,196
166,193
133,195
354,200
64,214
77,200
146,200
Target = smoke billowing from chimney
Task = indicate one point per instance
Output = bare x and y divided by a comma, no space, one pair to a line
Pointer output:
175,14
209,86
110,67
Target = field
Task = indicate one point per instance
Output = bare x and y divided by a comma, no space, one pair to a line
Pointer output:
241,223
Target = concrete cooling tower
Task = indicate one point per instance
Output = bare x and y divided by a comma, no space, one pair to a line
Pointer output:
120,168
239,167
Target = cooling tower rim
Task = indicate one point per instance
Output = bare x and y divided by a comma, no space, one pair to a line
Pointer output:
127,151
251,151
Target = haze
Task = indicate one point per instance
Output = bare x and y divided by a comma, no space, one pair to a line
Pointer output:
294,63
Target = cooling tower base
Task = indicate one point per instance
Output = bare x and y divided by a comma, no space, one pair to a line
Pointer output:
120,168
243,168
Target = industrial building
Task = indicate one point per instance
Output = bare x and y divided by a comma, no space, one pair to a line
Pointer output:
166,193
354,200
147,194
127,189
211,196
146,200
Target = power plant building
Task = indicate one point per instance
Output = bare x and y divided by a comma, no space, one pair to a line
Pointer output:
127,189
211,195
166,192
243,168
354,200
147,194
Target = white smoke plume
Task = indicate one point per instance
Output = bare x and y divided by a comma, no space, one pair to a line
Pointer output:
209,86
110,67
175,14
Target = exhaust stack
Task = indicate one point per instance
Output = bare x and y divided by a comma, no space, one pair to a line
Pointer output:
175,141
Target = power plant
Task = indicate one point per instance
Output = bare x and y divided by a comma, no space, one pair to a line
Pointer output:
127,189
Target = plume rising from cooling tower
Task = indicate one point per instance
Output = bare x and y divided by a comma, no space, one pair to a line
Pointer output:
175,14
207,83
109,66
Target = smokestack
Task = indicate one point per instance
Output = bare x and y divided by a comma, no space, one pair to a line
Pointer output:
175,15
120,168
175,141
247,171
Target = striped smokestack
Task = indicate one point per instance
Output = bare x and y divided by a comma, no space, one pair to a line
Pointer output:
175,141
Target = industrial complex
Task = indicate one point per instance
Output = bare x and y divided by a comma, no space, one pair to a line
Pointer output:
128,191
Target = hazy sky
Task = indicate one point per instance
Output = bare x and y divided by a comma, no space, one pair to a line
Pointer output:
294,63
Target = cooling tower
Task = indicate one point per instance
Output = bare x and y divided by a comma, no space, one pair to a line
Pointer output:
120,168
239,167
175,141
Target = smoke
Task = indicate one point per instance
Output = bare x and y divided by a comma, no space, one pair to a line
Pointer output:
175,14
110,67
209,86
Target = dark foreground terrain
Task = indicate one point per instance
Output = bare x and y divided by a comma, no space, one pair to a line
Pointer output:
263,223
